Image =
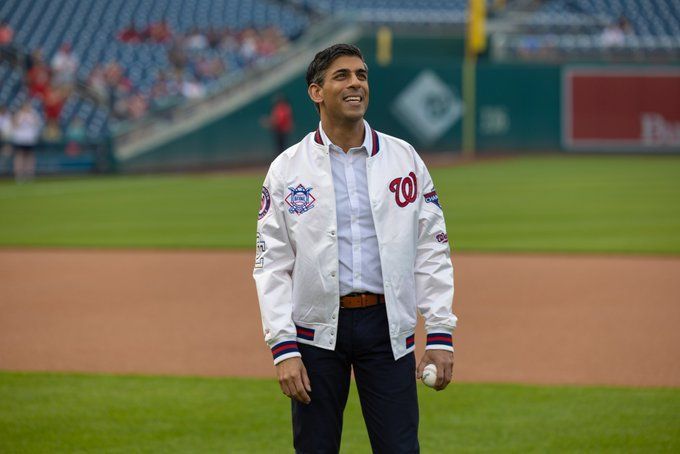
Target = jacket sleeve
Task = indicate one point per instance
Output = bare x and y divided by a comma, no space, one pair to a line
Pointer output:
433,268
274,262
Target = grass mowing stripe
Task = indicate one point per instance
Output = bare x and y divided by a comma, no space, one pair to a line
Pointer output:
610,204
55,413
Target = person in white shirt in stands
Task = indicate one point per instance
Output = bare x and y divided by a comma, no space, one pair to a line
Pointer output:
65,66
26,129
351,244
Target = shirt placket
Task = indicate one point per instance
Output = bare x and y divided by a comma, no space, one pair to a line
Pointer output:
350,176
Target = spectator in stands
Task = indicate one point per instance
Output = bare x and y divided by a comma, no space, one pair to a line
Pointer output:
229,42
248,49
271,41
614,34
64,66
625,26
281,122
209,68
32,58
214,38
159,32
191,88
6,34
118,89
131,34
7,49
195,40
26,128
54,103
5,131
136,105
176,53
38,77
97,83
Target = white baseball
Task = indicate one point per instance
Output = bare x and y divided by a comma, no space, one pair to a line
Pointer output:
429,375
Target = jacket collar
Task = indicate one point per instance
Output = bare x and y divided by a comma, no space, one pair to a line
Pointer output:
371,141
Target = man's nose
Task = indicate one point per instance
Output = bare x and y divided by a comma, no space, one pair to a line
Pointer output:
353,80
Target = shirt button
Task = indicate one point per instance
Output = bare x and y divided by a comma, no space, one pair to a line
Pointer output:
330,342
333,316
332,232
332,332
332,273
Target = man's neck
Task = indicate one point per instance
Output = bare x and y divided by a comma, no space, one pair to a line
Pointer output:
344,135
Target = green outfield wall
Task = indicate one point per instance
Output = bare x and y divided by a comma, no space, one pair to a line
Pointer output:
416,96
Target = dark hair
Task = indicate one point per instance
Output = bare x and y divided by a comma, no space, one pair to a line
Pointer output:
322,60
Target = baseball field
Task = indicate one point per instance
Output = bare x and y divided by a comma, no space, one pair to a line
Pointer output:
128,318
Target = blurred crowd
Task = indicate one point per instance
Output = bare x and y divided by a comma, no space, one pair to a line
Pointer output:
195,59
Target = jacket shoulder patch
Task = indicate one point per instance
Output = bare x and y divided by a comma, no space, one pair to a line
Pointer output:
433,198
265,203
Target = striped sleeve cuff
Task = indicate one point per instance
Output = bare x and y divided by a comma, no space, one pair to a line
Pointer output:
284,350
439,341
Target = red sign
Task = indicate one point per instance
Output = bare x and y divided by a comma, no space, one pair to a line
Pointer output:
621,108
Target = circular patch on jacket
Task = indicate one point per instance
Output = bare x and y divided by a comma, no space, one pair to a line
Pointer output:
265,203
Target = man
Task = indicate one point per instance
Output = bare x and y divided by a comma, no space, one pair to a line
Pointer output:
281,122
26,129
351,243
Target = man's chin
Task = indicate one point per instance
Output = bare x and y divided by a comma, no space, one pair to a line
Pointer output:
354,114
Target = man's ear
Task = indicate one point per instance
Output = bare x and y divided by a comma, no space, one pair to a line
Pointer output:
315,92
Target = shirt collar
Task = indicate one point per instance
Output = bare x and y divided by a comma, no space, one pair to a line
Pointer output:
370,139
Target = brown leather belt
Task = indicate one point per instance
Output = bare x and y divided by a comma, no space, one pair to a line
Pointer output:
358,300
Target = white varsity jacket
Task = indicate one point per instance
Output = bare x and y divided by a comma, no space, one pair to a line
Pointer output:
296,264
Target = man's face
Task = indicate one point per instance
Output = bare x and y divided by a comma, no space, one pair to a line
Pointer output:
344,93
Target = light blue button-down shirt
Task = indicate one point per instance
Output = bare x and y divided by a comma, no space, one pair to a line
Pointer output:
358,253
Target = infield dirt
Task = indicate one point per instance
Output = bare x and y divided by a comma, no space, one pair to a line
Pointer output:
523,318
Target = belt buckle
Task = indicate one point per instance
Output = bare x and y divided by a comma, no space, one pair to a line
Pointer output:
364,297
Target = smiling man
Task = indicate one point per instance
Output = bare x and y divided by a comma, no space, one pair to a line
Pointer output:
351,244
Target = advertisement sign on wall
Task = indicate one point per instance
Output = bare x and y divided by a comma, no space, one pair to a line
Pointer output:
621,109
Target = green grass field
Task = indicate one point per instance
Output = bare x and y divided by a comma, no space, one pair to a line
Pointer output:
120,414
610,204
583,204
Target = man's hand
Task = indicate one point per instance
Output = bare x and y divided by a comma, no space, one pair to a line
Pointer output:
443,360
293,379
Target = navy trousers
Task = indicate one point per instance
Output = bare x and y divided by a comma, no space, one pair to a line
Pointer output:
387,388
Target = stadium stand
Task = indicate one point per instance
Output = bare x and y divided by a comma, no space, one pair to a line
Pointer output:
395,12
144,66
239,32
586,29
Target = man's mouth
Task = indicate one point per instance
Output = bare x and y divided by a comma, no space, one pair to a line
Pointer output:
353,99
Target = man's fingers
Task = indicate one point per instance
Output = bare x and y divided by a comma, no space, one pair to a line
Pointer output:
421,367
446,379
439,383
300,393
285,388
305,380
